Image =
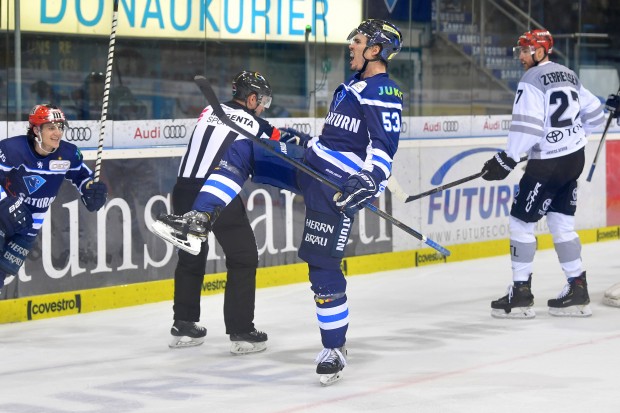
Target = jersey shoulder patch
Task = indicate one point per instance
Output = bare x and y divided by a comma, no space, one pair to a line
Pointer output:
359,86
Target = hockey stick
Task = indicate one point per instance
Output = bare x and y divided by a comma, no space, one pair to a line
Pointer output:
208,92
106,91
395,187
601,143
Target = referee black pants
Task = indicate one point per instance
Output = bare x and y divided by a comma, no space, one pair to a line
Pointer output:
233,231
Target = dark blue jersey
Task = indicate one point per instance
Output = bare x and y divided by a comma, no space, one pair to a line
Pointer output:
36,178
361,130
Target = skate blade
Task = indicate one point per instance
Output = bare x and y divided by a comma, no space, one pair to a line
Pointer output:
611,301
245,347
185,341
518,313
329,379
572,311
191,245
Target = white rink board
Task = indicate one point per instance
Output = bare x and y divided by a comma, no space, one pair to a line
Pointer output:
427,144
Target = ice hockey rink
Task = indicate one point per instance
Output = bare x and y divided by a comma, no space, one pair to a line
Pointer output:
420,340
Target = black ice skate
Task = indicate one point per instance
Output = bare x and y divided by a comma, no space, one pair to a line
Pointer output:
186,334
517,303
573,300
330,363
186,232
245,343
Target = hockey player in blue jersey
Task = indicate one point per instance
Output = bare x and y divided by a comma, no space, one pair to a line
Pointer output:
355,149
32,168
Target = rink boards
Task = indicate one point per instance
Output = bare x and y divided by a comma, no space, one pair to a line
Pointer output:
86,262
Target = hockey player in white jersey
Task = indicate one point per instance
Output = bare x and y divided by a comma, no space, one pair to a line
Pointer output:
552,116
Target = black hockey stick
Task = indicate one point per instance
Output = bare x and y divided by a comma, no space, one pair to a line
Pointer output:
208,92
450,184
601,143
106,90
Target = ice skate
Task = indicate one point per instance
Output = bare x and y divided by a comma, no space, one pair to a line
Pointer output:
246,343
573,300
330,363
186,232
517,303
186,334
612,296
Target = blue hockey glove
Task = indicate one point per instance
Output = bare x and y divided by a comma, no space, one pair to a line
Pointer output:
358,188
14,216
94,195
613,105
290,135
498,167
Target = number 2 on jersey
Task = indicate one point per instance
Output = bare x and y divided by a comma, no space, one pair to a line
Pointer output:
561,98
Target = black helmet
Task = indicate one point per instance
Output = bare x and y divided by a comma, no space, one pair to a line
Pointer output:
383,33
246,83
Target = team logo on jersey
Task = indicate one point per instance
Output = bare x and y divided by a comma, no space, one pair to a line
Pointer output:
339,97
59,165
554,136
33,183
40,165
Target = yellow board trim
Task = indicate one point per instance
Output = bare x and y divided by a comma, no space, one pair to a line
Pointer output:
97,299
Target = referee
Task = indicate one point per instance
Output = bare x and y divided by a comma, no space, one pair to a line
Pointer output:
251,93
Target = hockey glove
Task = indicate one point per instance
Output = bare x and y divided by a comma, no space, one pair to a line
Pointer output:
358,188
613,105
14,216
290,135
94,195
498,167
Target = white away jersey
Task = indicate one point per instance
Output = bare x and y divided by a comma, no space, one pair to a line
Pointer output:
552,114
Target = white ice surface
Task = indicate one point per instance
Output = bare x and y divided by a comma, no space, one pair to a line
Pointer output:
420,340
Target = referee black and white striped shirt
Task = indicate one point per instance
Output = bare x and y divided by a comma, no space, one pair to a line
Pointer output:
211,138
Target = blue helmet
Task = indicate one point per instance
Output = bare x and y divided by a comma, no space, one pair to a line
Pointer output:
383,33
